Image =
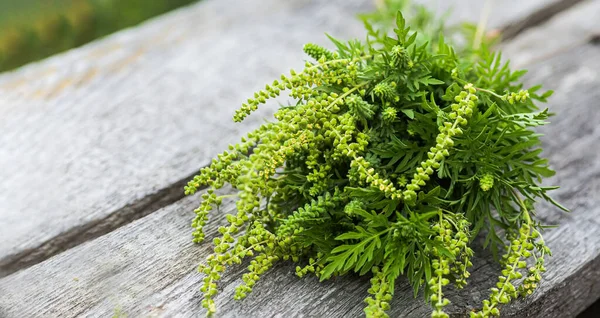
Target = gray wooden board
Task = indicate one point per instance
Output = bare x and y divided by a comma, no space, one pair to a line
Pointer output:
147,268
97,130
107,133
560,33
501,12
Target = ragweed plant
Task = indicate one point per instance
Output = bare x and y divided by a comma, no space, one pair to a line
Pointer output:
394,153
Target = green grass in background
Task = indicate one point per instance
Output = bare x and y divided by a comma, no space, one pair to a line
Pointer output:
33,29
24,12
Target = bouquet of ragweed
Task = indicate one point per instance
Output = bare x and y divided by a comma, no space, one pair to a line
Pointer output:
394,154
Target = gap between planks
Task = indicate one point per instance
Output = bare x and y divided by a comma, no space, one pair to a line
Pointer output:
91,230
536,18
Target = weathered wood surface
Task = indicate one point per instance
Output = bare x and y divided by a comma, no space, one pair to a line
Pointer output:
94,136
561,33
109,132
512,16
147,268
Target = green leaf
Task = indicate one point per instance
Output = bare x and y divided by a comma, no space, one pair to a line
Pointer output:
400,22
409,113
379,145
342,48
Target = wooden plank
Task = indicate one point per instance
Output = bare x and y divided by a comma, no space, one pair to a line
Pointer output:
109,132
147,268
502,13
95,136
537,17
559,34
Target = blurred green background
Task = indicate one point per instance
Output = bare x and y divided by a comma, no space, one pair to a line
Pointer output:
33,29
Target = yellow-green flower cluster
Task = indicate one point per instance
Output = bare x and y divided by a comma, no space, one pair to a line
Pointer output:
533,278
534,273
520,249
270,91
258,239
313,267
379,301
318,177
389,114
386,91
258,266
461,110
208,200
519,97
486,182
399,55
223,168
333,72
333,181
455,237
325,72
368,175
359,107
342,132
462,253
346,141
317,52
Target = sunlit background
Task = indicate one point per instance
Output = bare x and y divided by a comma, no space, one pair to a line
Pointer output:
33,29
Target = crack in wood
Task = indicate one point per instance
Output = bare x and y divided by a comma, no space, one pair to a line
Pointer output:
536,18
89,231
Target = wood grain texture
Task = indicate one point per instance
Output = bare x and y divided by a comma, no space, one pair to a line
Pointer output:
559,34
502,13
94,135
147,268
537,17
109,132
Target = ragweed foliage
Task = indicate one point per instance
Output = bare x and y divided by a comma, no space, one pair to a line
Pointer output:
394,154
